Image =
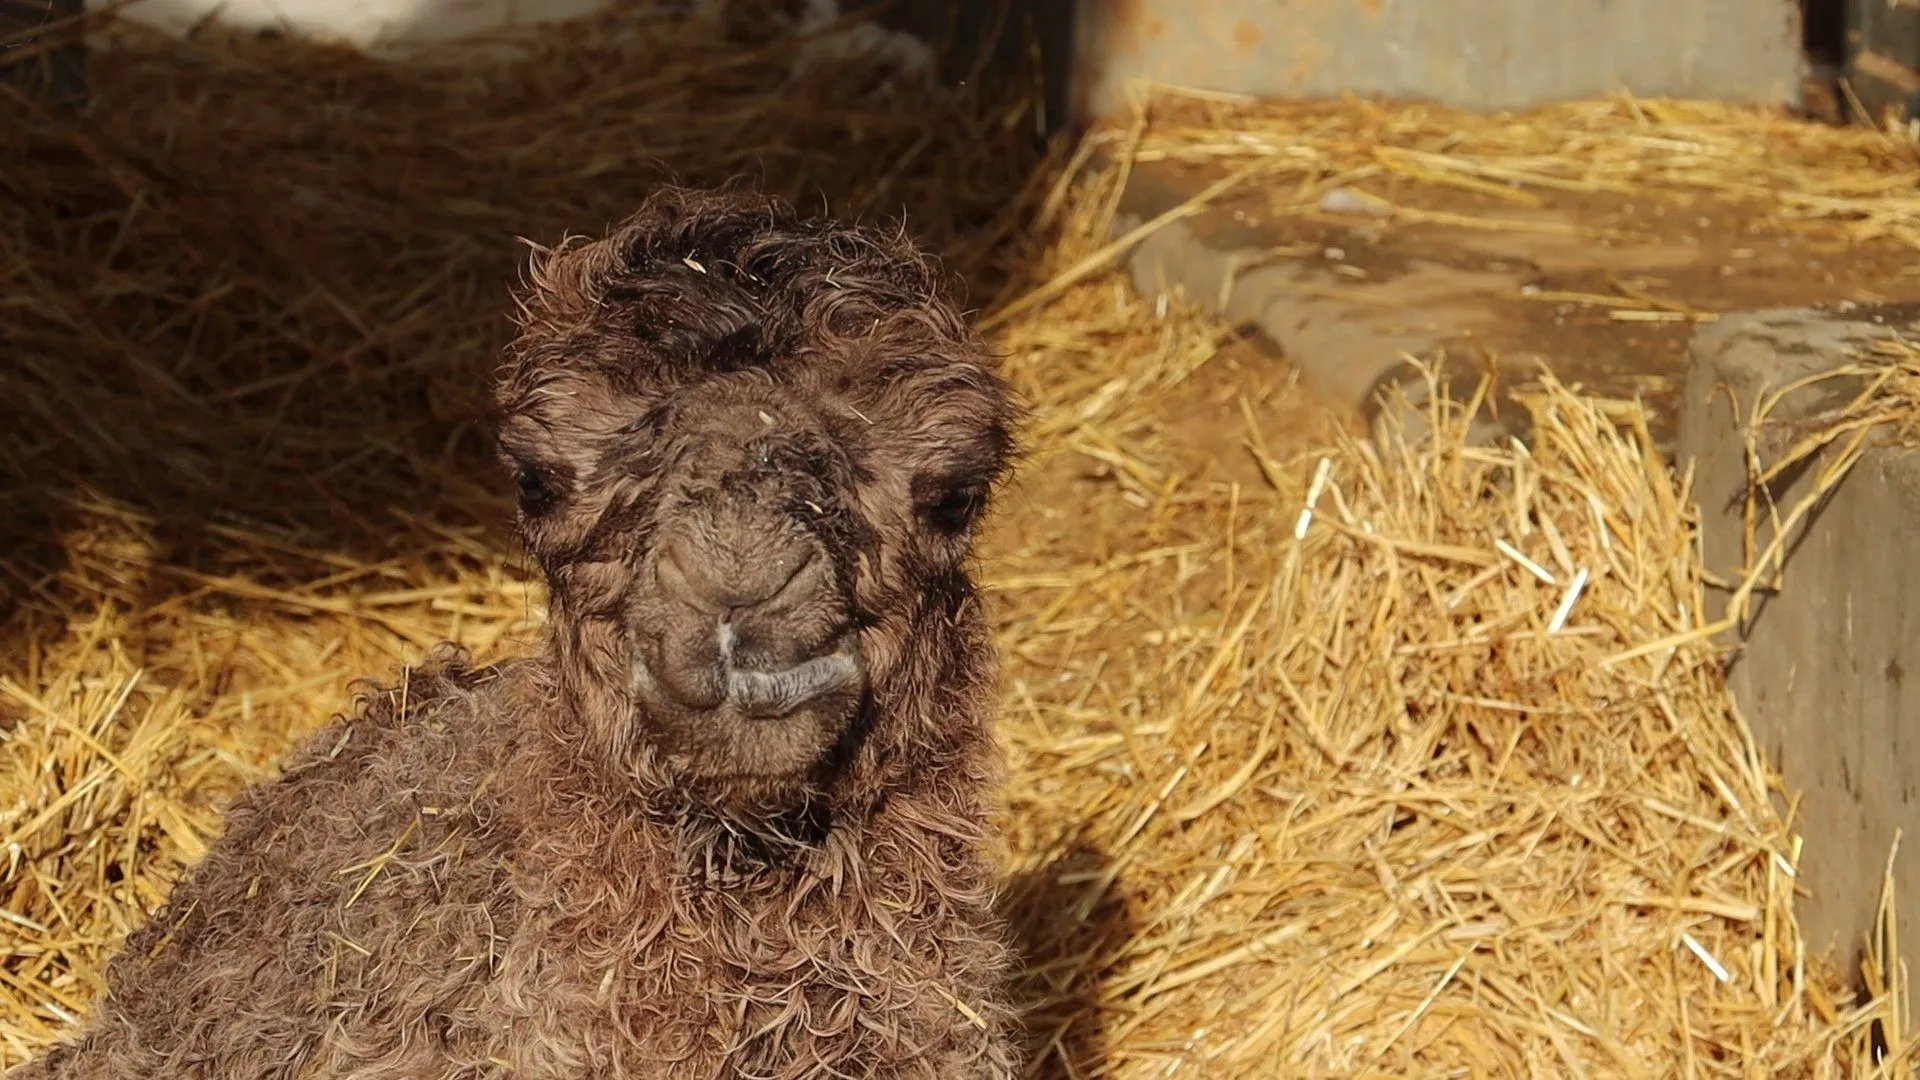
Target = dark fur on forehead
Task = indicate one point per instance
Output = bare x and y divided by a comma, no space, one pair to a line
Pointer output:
704,282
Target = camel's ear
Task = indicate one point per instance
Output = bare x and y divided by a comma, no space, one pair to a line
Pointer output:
565,283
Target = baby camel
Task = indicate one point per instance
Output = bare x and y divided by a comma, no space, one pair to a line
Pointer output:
732,820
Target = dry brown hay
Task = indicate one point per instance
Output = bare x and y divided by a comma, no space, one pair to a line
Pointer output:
1845,183
1390,808
1352,801
1878,405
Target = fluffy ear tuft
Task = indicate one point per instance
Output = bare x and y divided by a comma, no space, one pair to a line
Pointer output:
565,283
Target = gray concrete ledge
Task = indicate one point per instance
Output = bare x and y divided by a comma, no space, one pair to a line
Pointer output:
1822,666
1346,338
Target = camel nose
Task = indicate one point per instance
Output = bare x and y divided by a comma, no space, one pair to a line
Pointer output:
733,583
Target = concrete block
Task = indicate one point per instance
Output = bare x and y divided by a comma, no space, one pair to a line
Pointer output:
1822,667
1347,339
1475,53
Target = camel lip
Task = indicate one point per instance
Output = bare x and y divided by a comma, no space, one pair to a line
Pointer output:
772,693
776,693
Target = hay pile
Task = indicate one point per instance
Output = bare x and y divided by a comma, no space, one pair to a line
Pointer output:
1410,799
1847,185
1397,792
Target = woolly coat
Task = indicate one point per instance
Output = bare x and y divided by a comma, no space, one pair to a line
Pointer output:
505,871
434,889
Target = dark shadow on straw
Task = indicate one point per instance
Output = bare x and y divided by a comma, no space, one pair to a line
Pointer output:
1071,922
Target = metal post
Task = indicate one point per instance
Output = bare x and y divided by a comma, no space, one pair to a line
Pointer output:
41,51
990,39
1883,61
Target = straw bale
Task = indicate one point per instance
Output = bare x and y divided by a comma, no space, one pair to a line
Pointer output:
1441,782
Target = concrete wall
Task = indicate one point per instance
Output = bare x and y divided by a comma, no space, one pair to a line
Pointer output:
955,40
1823,663
363,23
382,24
1476,53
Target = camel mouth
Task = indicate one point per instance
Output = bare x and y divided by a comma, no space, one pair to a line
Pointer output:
775,693
769,693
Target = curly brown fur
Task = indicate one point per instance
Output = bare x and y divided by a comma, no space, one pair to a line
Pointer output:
731,821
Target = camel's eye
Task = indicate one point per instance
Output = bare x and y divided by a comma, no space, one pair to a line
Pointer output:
956,509
537,494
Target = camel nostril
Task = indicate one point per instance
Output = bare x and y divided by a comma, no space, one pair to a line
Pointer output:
793,577
673,579
729,586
